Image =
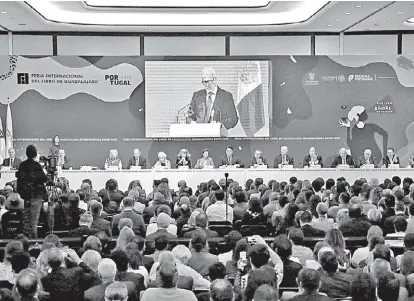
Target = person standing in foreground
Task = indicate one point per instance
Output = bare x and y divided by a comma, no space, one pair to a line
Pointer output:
31,186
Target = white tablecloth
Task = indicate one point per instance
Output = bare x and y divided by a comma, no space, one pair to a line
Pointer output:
195,177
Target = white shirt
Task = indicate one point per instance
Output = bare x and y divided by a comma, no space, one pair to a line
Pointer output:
217,212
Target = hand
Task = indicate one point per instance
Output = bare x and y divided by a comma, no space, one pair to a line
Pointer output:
241,264
345,124
237,165
72,256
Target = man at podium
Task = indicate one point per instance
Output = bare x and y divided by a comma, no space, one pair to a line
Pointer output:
212,104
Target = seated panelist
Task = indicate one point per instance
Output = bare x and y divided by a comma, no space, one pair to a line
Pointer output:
162,161
258,159
312,158
411,160
230,159
205,160
390,158
343,159
183,158
366,159
137,160
12,161
113,159
283,158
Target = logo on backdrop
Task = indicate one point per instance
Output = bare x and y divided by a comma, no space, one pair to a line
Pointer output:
384,107
362,77
22,78
334,78
311,81
118,80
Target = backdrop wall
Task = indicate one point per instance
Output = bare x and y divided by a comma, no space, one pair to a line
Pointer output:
310,94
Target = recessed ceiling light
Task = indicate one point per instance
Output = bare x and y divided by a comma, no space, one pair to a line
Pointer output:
206,30
400,12
337,19
389,18
265,30
358,6
348,13
3,12
329,25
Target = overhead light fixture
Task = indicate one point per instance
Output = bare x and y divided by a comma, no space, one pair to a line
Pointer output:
348,13
3,12
54,12
177,3
400,12
265,30
337,19
329,25
389,18
358,6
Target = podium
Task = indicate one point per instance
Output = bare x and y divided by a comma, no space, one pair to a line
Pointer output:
197,130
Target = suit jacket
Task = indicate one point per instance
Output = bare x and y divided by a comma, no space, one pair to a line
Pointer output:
355,228
99,224
135,278
387,160
148,262
81,231
309,231
389,223
307,160
336,285
152,236
141,162
67,284
278,160
138,225
254,161
234,160
97,293
209,233
314,296
361,161
224,108
338,161
291,270
16,162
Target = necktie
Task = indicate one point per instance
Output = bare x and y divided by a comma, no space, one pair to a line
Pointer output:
229,159
283,160
208,106
343,161
136,162
11,162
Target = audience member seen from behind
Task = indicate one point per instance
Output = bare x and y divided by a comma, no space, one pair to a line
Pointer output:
12,220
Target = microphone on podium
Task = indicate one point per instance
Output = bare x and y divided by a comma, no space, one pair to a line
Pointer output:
177,117
212,114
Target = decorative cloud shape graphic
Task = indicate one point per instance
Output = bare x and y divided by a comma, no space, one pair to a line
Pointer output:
55,81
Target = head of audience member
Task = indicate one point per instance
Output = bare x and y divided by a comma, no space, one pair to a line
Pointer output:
255,206
308,280
319,245
134,256
355,211
125,222
219,195
20,260
96,209
322,209
258,256
55,258
283,247
305,218
296,236
12,247
199,241
107,270
126,235
388,287
161,242
181,254
328,261
85,220
407,263
91,258
374,240
409,242
121,260
92,243
378,267
374,216
410,285
363,288
31,152
27,285
389,201
344,198
265,292
14,201
217,271
116,291
163,220
381,251
167,275
257,277
400,224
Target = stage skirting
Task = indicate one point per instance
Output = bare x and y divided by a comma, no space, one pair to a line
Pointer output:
195,177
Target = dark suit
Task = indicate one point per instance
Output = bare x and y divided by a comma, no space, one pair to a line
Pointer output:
81,231
67,284
135,278
209,233
138,225
16,162
387,160
338,161
152,236
314,296
234,160
254,162
148,262
278,160
307,160
291,270
99,224
361,161
133,162
389,223
224,108
97,293
355,228
336,285
309,231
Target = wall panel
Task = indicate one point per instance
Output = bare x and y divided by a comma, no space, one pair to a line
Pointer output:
370,44
98,45
270,45
32,44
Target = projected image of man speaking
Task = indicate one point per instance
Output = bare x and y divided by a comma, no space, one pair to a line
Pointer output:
212,104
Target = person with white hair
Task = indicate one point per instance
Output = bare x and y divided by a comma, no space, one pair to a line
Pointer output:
283,158
162,162
258,159
312,158
362,135
137,160
92,258
113,159
12,161
366,159
343,159
212,104
183,158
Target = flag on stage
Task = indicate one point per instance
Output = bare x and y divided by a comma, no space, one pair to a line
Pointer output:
250,98
2,144
9,129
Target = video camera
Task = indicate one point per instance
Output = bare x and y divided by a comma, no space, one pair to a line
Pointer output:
50,165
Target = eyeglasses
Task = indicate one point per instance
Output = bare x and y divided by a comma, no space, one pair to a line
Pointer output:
205,82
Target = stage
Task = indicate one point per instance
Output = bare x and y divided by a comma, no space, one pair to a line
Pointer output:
194,177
